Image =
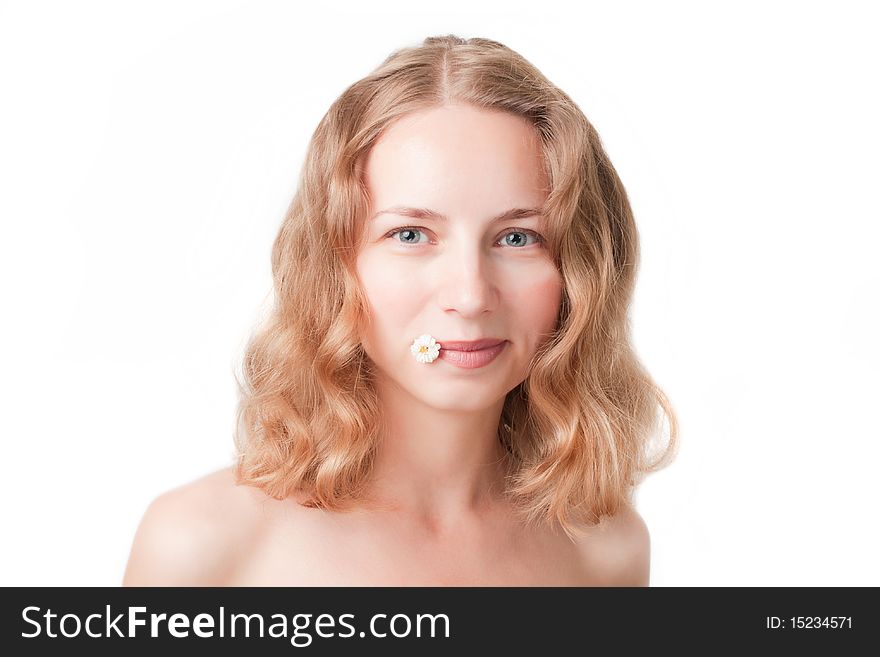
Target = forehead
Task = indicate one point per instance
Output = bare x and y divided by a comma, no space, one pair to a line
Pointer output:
457,156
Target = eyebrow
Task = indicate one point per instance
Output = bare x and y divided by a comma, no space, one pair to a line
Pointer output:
424,213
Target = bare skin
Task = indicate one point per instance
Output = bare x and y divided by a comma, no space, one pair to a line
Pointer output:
212,532
449,186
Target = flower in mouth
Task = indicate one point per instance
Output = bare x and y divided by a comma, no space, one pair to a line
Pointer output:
425,349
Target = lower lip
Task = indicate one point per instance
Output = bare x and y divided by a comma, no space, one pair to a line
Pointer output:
472,359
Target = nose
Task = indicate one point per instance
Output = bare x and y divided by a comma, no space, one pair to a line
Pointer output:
466,282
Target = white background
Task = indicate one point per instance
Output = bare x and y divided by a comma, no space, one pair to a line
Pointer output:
148,151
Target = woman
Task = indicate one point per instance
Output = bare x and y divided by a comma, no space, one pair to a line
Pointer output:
445,393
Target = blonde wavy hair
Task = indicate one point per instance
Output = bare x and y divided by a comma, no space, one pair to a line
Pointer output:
578,431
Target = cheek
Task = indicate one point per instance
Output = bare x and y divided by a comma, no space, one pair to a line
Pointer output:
386,290
393,300
538,300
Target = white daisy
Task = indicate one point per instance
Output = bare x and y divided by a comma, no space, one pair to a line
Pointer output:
425,349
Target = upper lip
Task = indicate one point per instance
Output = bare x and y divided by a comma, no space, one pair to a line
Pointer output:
472,345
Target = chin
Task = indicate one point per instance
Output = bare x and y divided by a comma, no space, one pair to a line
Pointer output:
459,397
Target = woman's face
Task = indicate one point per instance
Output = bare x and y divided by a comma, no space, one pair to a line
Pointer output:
457,274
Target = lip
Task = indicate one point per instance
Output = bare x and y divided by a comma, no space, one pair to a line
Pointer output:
473,358
472,345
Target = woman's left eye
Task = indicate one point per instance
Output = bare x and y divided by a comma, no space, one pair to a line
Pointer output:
521,236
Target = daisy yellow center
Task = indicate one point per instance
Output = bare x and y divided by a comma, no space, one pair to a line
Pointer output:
423,349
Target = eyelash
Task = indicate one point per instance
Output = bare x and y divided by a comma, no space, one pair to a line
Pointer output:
539,238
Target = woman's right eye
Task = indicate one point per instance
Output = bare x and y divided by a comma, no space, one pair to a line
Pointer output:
408,235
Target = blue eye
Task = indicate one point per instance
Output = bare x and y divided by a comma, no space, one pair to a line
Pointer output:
521,241
410,236
408,233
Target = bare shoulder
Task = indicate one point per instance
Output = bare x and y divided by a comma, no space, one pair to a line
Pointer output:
617,552
190,535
